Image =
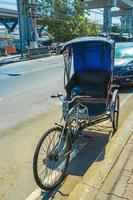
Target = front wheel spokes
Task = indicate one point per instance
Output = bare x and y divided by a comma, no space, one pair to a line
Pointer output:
58,149
116,113
51,158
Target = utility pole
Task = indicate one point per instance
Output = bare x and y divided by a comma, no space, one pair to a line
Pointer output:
34,21
129,24
107,19
32,5
24,25
21,25
27,24
123,25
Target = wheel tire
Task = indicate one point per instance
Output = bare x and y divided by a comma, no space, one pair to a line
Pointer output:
36,158
115,115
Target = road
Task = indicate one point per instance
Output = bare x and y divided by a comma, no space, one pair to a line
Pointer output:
25,88
26,96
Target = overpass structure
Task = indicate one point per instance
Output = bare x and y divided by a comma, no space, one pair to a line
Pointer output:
22,16
125,11
122,4
27,23
8,15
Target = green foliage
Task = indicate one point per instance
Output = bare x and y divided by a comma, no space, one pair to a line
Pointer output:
66,20
82,27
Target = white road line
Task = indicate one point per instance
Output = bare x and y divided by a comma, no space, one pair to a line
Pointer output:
36,193
125,100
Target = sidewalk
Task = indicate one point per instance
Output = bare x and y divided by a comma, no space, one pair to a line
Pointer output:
9,59
119,183
104,180
17,58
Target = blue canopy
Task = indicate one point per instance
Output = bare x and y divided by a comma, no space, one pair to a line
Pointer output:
91,53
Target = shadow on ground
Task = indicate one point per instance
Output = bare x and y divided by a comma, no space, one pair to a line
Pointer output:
85,153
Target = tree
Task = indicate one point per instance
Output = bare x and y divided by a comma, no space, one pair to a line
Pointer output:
66,20
78,8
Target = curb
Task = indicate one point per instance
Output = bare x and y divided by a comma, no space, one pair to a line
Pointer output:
92,181
15,60
11,60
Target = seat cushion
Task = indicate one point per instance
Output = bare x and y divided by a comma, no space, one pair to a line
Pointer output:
89,82
92,77
93,91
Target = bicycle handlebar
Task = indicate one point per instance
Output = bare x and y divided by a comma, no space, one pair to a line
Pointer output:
57,96
78,97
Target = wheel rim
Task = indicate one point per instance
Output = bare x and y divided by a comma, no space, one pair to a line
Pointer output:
116,114
51,159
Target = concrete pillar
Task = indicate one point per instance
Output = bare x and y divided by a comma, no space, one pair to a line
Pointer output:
114,3
25,23
123,24
27,20
129,24
21,26
107,20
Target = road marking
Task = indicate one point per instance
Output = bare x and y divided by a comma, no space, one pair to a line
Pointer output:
1,99
36,193
125,100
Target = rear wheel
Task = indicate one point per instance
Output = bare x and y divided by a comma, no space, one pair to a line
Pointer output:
115,113
51,158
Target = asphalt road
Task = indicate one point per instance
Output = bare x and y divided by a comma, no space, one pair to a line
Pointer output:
24,95
25,88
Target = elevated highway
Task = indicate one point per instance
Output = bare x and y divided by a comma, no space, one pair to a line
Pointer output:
8,15
122,4
125,11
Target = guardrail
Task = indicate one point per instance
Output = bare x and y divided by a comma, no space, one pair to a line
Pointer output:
38,52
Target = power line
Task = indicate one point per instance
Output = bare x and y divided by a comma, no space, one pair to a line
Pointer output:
56,17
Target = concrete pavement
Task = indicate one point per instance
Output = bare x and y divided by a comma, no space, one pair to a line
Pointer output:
92,181
119,183
89,160
26,87
18,143
17,146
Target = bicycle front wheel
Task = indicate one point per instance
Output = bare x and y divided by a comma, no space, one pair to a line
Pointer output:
115,117
51,158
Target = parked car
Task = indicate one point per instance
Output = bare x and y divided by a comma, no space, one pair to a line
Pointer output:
123,70
55,48
59,46
44,42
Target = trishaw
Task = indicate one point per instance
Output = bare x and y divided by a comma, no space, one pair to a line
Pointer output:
90,98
